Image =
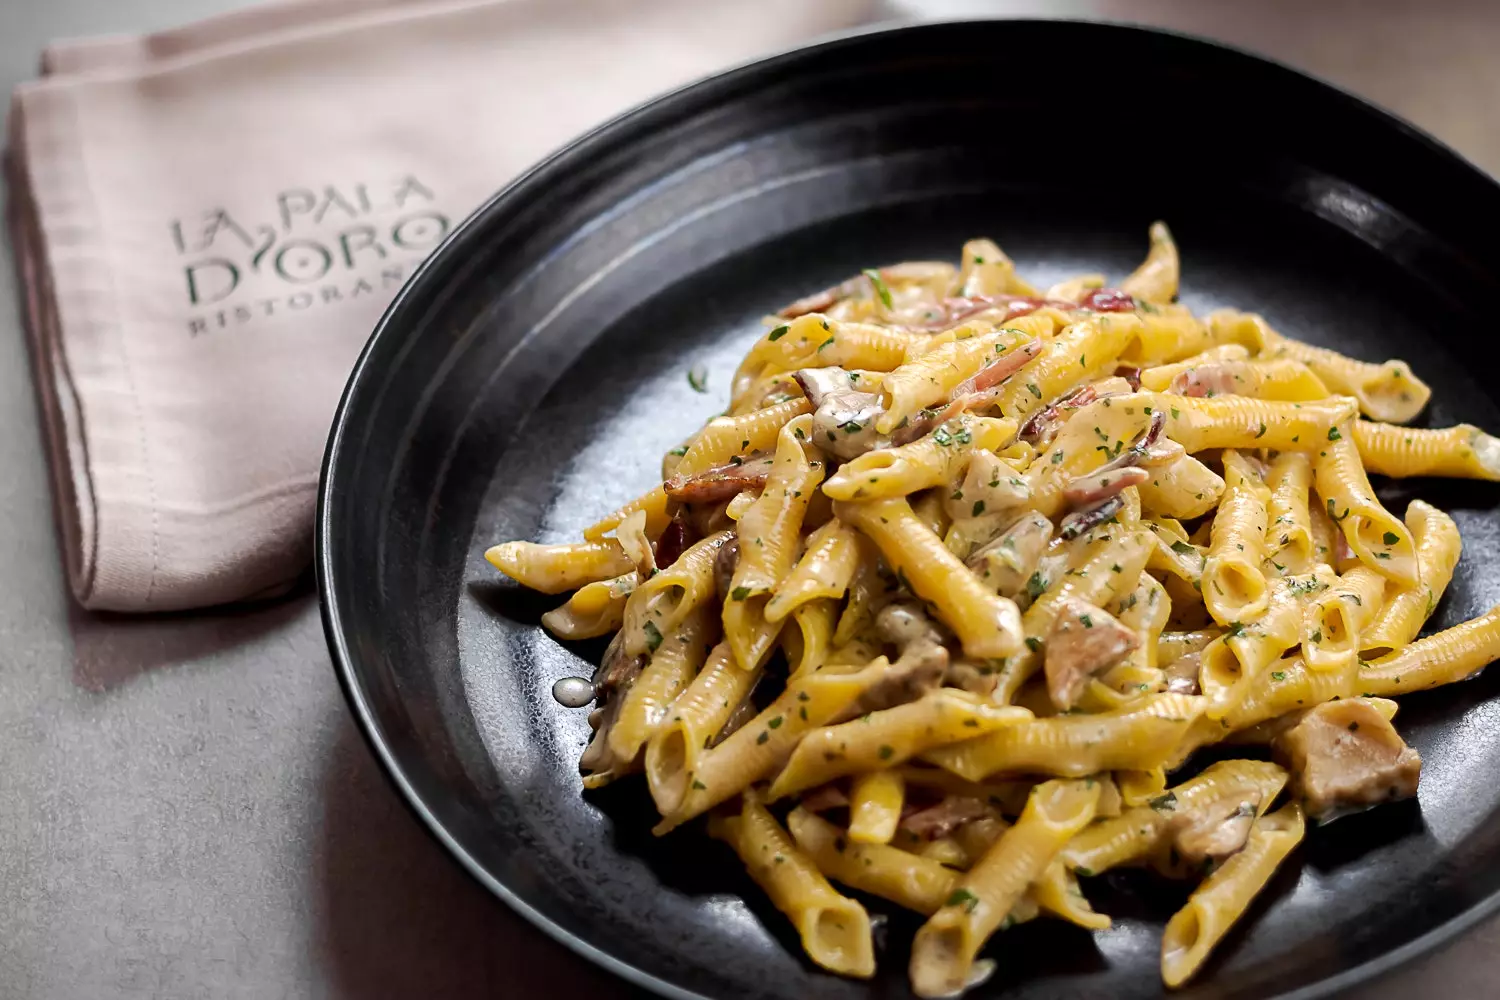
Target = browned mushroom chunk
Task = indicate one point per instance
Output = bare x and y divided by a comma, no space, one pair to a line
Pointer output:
920,667
723,482
1218,832
1345,756
617,672
823,798
1182,674
844,416
948,815
991,486
1084,640
1006,563
725,563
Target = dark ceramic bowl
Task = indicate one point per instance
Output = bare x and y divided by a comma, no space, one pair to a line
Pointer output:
530,375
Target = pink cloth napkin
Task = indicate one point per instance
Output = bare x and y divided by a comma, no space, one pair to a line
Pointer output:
209,221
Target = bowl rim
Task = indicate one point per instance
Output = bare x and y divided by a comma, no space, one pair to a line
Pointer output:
625,127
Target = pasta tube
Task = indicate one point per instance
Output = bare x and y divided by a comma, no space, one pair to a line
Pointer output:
835,930
689,728
1408,608
1445,657
1376,536
752,752
891,737
1461,452
944,950
875,801
553,569
910,880
1234,587
989,626
824,570
1226,894
1138,736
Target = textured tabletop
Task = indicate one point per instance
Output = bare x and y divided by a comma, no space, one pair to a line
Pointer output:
186,809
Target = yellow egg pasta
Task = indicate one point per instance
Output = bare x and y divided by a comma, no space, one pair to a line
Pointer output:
965,573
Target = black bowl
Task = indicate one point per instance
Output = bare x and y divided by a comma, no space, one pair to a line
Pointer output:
530,375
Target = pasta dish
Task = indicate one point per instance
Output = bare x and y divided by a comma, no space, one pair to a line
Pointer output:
941,609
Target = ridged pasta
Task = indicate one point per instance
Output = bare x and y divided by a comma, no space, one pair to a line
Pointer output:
1461,452
1408,608
1377,536
1138,736
989,626
945,948
1224,896
1234,586
963,573
835,930
1445,657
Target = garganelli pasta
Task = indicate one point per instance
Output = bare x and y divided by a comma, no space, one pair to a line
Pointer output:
942,607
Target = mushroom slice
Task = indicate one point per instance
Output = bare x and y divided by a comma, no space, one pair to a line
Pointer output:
1084,640
1006,563
1344,757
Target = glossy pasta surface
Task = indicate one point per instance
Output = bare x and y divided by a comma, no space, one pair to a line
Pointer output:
943,606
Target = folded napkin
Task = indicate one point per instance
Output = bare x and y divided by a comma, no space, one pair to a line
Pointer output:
208,223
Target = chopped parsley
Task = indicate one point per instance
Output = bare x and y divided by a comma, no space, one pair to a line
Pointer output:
777,333
963,897
1390,538
1036,586
1333,434
764,735
653,635
739,593
978,508
886,751
1164,803
1034,644
697,377
881,289
1278,675
826,343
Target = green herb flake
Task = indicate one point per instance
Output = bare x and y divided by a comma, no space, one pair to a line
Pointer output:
963,897
1164,803
1333,434
679,451
1034,644
978,508
887,751
739,593
697,377
1034,389
881,289
653,635
764,735
826,343
1036,586
1390,538
777,333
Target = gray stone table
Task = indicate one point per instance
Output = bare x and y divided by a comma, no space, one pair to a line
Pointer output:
186,809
